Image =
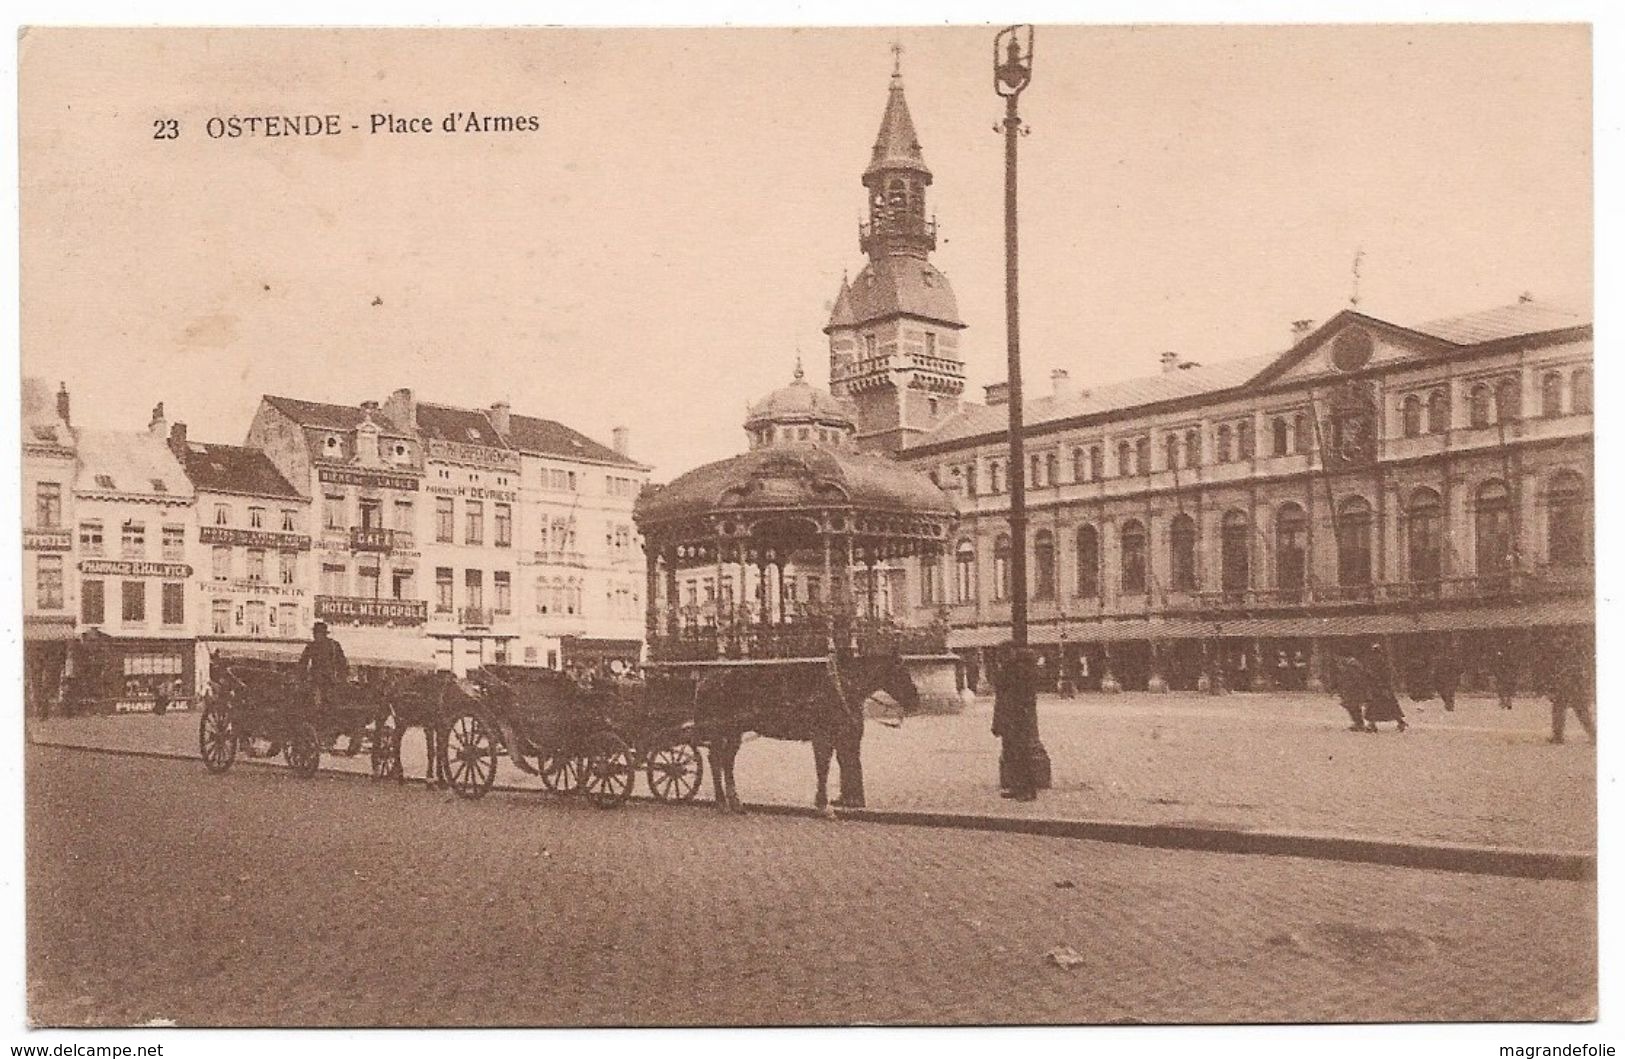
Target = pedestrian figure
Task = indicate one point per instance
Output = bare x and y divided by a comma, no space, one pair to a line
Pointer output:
1504,670
1283,671
1381,704
1447,676
1300,671
325,669
1015,720
1351,690
1572,686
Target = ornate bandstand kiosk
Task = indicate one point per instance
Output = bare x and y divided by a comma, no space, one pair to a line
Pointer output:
783,555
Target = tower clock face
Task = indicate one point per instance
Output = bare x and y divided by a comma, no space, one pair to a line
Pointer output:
1351,349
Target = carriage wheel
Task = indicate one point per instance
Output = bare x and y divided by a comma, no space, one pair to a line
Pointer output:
216,738
469,754
386,755
561,773
304,750
611,769
674,772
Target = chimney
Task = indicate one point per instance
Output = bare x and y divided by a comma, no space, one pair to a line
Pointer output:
997,393
1170,362
177,440
1060,381
502,417
62,404
1301,329
622,441
158,428
401,408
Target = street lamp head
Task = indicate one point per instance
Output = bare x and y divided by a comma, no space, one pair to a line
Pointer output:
1012,60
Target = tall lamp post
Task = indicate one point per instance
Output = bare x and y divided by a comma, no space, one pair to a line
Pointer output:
1012,73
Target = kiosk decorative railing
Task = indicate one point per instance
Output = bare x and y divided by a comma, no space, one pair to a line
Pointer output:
807,637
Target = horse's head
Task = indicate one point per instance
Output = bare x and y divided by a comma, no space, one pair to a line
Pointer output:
892,677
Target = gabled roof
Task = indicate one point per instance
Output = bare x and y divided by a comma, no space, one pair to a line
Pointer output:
234,469
897,145
329,416
544,437
139,464
1507,321
462,425
975,420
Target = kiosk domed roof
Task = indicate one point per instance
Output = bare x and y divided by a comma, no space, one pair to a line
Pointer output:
799,402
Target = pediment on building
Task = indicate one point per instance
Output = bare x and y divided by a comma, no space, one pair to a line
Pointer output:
1347,344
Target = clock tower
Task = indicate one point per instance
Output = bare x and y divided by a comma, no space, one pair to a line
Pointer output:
894,330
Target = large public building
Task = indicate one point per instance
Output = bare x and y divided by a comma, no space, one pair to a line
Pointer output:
1426,485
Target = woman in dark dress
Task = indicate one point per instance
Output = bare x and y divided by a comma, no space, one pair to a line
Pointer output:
1381,704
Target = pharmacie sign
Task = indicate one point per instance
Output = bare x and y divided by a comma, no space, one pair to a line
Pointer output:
127,568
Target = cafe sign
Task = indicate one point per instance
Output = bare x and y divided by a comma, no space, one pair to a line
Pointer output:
253,538
129,568
367,479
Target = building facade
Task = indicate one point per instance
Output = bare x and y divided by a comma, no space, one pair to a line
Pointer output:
50,454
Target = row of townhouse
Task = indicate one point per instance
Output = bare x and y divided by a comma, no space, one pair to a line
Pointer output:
419,533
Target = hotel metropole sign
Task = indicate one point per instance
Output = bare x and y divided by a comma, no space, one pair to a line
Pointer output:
477,455
367,479
133,568
253,538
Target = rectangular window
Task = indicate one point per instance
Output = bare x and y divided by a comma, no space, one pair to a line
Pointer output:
287,567
48,505
333,575
404,516
442,589
90,538
256,518
174,543
135,540
501,581
255,613
290,521
504,525
930,343
372,513
474,522
401,585
220,617
222,514
174,603
222,562
368,579
288,618
474,588
48,582
445,517
333,511
92,602
256,564
134,595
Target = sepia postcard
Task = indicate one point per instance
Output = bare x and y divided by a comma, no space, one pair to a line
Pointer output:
969,525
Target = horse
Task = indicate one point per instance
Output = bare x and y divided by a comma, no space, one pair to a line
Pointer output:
415,700
821,705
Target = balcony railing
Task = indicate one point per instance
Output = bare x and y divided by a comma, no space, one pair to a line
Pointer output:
1510,585
806,636
476,617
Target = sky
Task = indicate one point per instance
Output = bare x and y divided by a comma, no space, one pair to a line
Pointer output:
662,248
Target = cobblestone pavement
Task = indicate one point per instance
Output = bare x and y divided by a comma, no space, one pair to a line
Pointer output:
1480,775
158,891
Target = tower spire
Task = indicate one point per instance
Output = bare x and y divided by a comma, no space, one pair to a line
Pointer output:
897,177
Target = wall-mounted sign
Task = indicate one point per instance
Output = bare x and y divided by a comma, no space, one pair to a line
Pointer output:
355,610
253,538
47,540
242,586
473,492
478,455
368,479
129,568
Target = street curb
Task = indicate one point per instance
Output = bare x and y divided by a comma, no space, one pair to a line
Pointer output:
1438,856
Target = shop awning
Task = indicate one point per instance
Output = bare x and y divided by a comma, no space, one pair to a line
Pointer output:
255,652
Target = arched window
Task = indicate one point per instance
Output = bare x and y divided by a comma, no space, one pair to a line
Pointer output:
993,484
1142,455
1193,449
1235,552
1182,546
965,573
1244,440
1424,537
1301,440
1280,440
1088,562
1353,541
1508,401
1580,392
1052,469
970,479
1097,463
1132,548
1568,520
930,581
1492,529
1170,451
1551,394
1044,565
1221,444
1438,412
1411,416
1036,478
1478,405
1080,466
1291,550
1125,459
1001,568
